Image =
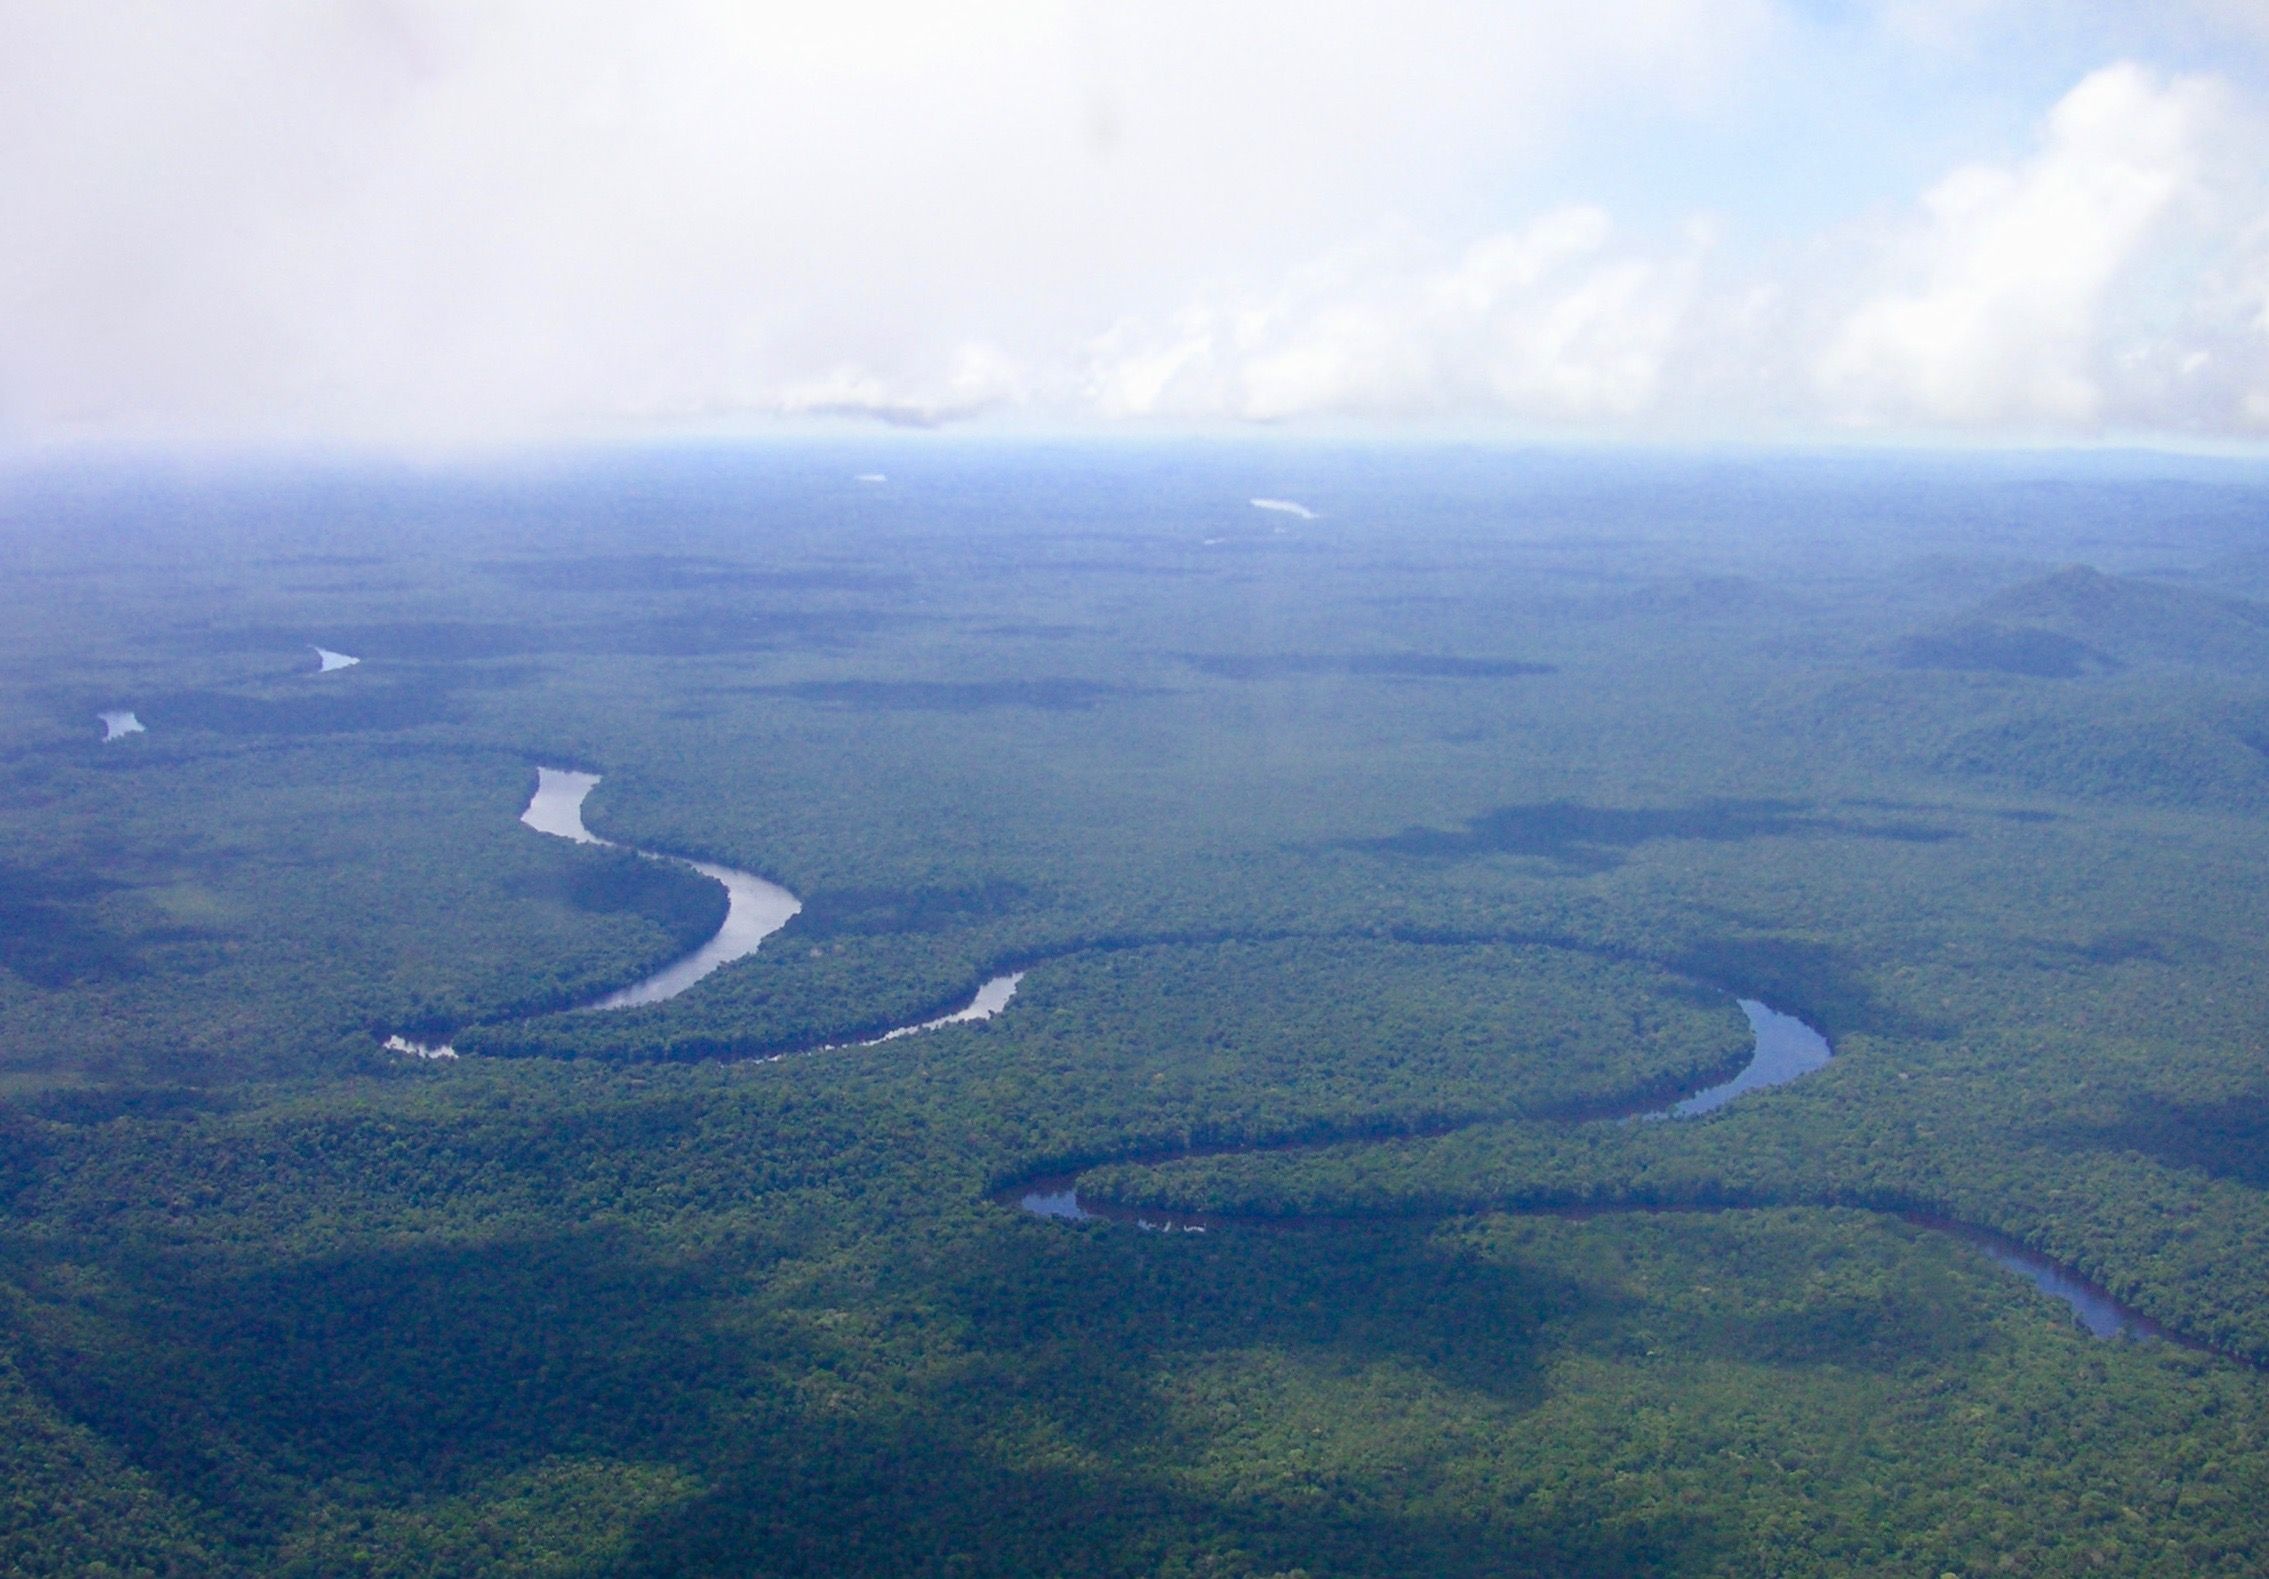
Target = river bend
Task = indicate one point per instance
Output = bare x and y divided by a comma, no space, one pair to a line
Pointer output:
1784,1049
755,908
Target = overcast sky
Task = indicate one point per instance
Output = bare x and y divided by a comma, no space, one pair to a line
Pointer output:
395,222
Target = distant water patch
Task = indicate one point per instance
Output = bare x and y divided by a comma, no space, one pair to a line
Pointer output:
116,726
1057,1197
1054,1198
1285,507
427,1050
334,660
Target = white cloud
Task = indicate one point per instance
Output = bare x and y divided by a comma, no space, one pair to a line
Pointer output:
1547,322
418,221
979,379
417,218
2005,300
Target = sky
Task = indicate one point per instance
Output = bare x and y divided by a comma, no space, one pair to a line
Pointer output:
452,225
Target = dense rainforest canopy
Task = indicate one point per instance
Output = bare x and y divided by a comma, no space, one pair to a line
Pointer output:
1357,865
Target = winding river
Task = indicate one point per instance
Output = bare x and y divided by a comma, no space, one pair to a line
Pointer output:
1783,1049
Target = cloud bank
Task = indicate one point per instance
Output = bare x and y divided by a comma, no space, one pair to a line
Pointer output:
2021,291
415,223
